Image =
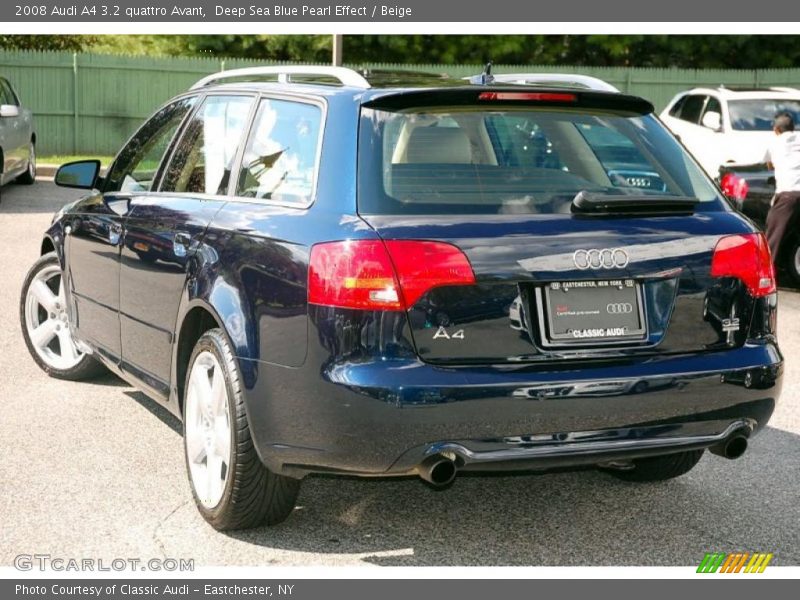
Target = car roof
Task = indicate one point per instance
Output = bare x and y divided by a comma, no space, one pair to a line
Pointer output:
747,93
407,87
455,91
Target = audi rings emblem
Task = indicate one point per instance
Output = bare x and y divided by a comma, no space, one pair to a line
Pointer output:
619,308
609,258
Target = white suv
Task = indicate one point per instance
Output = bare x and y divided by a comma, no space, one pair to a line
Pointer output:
722,125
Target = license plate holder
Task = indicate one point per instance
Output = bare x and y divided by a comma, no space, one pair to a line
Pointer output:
594,312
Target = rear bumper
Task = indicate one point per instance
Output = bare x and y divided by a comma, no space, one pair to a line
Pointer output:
577,448
383,418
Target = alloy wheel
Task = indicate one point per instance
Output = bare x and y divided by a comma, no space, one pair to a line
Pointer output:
32,161
47,321
208,429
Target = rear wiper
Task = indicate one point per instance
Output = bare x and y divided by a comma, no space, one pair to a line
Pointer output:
586,203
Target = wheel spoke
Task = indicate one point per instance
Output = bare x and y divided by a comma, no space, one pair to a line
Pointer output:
61,296
43,295
41,336
201,388
195,448
219,395
68,350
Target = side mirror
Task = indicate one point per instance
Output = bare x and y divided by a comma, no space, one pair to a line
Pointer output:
712,120
9,110
81,174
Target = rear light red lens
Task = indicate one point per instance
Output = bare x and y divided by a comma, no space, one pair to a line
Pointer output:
734,187
747,258
373,275
422,266
534,96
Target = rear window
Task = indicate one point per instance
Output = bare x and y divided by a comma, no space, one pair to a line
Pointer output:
469,159
758,115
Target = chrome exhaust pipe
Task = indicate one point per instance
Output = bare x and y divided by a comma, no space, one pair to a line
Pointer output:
732,448
438,470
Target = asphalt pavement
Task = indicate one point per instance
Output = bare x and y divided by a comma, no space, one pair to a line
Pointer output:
95,470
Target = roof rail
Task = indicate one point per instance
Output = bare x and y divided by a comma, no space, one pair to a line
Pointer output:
560,79
284,74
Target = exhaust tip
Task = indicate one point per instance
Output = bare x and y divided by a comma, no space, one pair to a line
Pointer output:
732,448
736,446
439,471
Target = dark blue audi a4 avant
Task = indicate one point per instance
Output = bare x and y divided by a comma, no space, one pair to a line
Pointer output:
323,271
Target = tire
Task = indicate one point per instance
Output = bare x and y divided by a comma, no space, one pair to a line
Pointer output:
29,176
42,305
792,261
659,468
146,257
231,487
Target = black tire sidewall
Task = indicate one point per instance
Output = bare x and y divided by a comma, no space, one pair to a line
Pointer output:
789,262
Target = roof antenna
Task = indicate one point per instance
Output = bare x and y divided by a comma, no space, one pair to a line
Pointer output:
484,78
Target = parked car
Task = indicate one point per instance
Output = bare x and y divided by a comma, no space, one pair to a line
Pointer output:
348,259
17,138
751,188
728,125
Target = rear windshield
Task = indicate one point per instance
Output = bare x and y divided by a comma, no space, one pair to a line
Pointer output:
758,115
515,160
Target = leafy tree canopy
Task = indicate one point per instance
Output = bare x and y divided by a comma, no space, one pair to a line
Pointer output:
688,51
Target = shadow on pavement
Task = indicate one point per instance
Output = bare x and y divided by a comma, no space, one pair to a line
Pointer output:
580,518
161,413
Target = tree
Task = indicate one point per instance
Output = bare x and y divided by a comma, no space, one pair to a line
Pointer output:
687,51
69,43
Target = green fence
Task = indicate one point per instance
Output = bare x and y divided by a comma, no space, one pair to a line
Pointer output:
89,104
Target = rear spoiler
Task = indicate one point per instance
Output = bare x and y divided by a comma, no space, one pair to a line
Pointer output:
509,96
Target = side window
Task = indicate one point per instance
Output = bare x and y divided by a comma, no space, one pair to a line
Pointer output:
204,156
6,95
12,94
713,106
692,108
137,163
280,159
675,111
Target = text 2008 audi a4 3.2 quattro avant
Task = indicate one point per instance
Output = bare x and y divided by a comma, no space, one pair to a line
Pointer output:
324,272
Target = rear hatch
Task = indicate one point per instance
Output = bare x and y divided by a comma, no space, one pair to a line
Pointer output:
589,231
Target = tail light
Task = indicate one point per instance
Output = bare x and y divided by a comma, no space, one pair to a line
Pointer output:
734,187
747,258
377,275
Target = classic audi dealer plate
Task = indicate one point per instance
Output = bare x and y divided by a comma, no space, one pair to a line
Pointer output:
593,311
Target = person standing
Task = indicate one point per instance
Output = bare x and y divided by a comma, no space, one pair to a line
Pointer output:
783,155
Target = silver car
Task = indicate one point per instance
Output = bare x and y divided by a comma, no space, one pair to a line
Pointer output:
17,138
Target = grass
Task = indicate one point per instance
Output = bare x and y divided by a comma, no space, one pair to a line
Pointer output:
60,159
